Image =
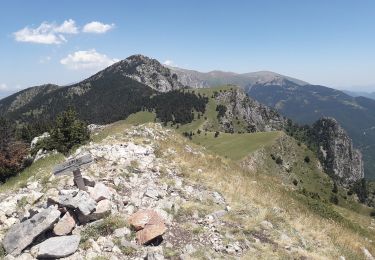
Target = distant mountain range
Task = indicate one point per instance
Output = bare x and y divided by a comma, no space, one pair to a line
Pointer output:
129,85
360,94
302,102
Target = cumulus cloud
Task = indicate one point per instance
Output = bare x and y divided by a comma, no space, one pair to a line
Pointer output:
90,59
97,27
47,33
169,63
68,27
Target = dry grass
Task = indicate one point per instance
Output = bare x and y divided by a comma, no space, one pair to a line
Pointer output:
255,197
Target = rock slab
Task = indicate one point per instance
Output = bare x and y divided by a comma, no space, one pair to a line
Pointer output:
58,247
65,225
148,224
23,234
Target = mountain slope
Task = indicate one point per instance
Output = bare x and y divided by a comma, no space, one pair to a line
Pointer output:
301,102
213,207
24,97
306,104
360,94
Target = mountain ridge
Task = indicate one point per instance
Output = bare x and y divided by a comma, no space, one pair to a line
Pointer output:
139,83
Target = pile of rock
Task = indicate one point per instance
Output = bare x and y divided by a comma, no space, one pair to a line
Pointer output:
50,232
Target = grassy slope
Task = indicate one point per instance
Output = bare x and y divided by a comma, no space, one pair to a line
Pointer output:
343,227
234,146
267,187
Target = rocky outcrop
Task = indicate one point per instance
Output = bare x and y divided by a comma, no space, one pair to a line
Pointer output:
144,70
239,106
23,234
336,152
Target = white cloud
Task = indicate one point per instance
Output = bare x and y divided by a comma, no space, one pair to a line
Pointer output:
47,33
90,59
169,63
97,27
3,87
68,27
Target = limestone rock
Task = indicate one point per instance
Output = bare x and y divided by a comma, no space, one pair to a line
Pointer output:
22,235
103,209
100,192
58,247
65,225
339,157
148,224
121,232
155,253
81,201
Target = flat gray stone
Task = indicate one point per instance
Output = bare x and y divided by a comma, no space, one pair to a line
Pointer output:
23,234
58,247
81,201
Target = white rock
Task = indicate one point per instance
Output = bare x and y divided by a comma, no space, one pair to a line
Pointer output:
100,192
122,232
266,224
57,247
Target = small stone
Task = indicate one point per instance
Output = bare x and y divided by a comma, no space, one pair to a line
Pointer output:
266,224
189,249
100,192
367,254
103,209
122,232
219,214
218,199
155,253
57,247
106,244
152,193
65,225
126,243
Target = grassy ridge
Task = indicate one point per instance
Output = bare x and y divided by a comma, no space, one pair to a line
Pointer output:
235,146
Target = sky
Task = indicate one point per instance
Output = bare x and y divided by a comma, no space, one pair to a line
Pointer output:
331,43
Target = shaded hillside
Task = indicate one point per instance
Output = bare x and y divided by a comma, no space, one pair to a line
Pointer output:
306,104
24,97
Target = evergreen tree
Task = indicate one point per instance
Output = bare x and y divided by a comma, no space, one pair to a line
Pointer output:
68,132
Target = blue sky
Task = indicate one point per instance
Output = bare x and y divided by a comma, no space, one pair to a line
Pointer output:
323,42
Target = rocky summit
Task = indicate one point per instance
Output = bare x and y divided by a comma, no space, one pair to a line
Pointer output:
144,70
153,194
336,149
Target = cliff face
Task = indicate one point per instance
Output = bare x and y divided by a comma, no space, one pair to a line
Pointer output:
240,107
339,158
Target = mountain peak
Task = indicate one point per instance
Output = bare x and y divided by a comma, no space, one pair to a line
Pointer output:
145,70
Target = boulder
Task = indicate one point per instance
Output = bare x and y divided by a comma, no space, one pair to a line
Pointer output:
100,192
103,209
23,234
149,233
148,224
65,225
82,201
58,247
